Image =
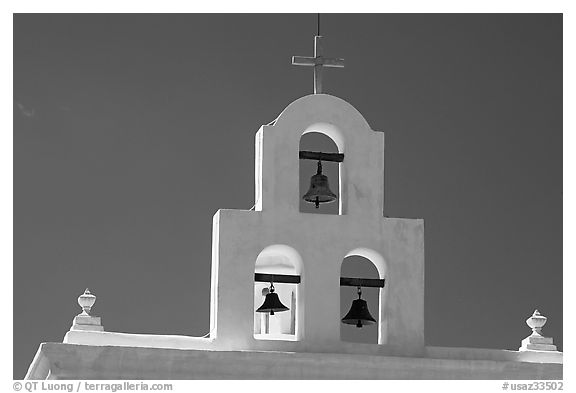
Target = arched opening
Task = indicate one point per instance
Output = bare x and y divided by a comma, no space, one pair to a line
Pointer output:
316,139
278,259
365,264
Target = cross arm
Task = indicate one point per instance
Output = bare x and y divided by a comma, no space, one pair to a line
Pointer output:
312,61
338,63
301,60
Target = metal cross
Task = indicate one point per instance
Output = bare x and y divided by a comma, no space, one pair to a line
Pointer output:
318,61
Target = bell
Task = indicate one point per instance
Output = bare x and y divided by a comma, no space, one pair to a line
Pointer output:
359,314
319,191
272,303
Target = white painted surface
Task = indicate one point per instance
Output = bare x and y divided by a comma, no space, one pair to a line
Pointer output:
87,322
65,361
320,242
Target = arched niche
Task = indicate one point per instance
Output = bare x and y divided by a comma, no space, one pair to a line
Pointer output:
321,137
287,325
365,263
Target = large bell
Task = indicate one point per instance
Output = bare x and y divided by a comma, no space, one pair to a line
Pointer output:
319,191
359,314
272,303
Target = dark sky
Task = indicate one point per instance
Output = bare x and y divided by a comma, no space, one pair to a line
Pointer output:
131,131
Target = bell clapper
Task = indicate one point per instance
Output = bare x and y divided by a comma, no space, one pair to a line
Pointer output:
318,172
271,291
359,323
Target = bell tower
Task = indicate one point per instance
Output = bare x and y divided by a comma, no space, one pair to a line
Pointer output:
250,247
276,271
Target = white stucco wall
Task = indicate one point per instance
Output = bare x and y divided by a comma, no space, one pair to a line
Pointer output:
66,361
395,246
243,234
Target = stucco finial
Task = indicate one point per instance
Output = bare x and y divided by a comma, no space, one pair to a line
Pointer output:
536,341
86,301
536,322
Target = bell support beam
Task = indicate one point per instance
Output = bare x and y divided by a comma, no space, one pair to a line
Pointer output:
344,281
319,156
362,282
277,278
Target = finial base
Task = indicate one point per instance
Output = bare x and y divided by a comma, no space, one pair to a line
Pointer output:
536,342
87,322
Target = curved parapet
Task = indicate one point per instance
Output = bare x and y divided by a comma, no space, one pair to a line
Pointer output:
361,172
324,106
